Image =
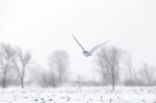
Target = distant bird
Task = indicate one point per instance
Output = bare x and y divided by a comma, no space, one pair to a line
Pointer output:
90,52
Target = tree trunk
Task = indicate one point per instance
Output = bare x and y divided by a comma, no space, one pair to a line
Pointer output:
4,79
3,83
113,79
60,79
22,82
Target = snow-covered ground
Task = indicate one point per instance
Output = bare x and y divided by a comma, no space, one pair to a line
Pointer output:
79,95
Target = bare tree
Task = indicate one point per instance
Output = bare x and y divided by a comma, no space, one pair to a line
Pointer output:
143,76
108,64
79,80
128,63
47,79
21,61
128,70
147,74
59,64
6,54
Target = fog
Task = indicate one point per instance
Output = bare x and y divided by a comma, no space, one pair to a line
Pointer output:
43,26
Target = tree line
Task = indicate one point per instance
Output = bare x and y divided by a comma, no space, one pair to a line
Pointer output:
110,63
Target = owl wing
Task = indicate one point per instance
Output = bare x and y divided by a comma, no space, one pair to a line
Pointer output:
97,46
78,43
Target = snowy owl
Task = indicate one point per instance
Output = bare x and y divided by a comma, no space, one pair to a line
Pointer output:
90,52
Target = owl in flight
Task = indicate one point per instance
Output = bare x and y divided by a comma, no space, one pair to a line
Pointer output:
90,52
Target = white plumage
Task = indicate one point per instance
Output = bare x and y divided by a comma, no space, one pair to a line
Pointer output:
90,52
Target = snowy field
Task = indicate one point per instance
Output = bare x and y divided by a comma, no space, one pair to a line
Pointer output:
79,95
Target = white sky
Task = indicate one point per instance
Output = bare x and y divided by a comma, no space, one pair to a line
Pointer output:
45,25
